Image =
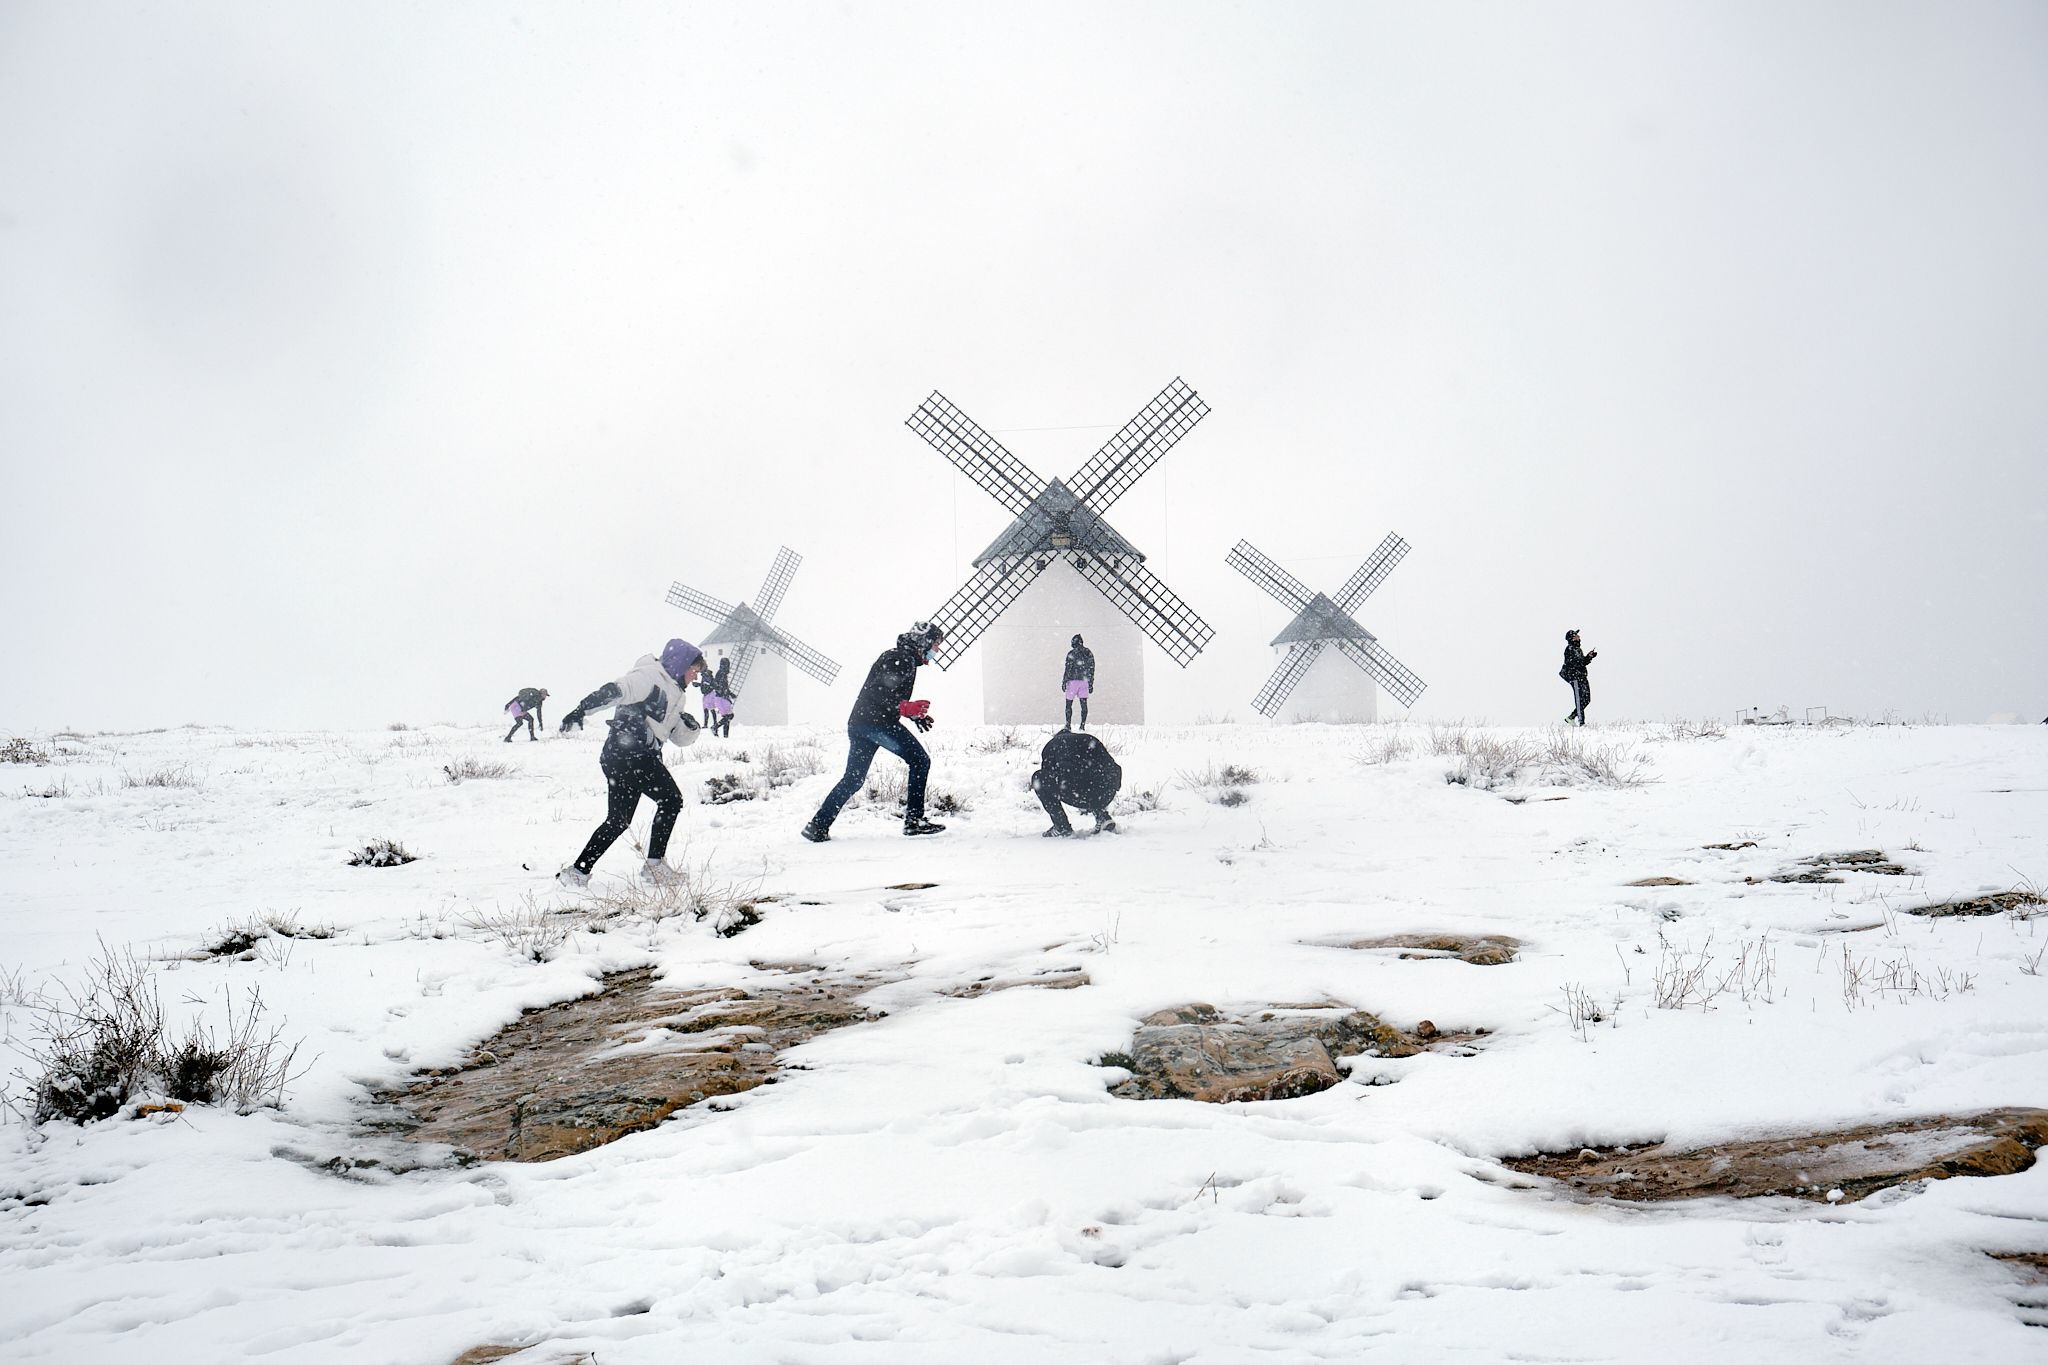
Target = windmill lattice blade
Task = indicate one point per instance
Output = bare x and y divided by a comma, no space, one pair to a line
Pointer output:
1386,670
1260,568
1372,573
1112,470
979,601
776,583
975,453
1300,657
803,656
742,657
700,603
1138,594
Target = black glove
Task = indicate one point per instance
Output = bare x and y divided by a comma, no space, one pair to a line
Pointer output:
572,721
690,722
923,722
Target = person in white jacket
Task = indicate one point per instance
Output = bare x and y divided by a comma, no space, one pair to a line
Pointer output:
648,707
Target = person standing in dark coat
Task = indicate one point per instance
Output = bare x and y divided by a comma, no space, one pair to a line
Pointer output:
1078,680
525,710
1076,770
649,705
1576,661
876,722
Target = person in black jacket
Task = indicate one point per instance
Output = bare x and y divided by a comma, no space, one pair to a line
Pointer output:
1574,674
1078,680
1076,770
525,710
876,722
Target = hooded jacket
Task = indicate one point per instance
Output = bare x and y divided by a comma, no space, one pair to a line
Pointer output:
1080,666
649,706
1078,769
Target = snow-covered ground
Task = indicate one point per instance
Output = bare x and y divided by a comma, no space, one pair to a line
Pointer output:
954,1181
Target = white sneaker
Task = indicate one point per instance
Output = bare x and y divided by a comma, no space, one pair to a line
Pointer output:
573,878
660,873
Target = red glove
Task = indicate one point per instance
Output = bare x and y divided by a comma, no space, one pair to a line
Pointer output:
915,710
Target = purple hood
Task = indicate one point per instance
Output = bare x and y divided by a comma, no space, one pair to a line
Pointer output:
677,656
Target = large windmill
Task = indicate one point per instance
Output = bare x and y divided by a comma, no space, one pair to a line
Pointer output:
1328,662
1061,570
745,634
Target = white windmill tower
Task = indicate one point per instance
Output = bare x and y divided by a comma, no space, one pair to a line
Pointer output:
760,651
1328,663
1060,570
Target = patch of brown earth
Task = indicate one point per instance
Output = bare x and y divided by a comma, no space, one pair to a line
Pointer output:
1197,1053
1997,903
1856,1161
1051,979
587,1072
1481,950
1823,867
1660,881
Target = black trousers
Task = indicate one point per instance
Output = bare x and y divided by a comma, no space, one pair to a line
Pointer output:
628,777
1070,713
1056,808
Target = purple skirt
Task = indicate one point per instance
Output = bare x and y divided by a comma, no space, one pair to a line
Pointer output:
716,704
1077,690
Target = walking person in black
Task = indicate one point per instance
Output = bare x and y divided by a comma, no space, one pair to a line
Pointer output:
649,706
1078,680
876,722
1576,661
1076,770
525,709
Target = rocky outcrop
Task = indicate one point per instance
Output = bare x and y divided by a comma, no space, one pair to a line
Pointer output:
1843,1165
1481,950
1196,1053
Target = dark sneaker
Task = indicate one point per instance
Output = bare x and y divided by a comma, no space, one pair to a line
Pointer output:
1105,826
920,825
816,834
1057,833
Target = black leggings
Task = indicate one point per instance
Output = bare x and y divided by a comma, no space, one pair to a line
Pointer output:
1070,713
628,777
527,721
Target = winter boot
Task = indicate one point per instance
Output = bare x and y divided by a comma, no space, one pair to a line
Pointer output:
816,833
917,824
1057,833
573,877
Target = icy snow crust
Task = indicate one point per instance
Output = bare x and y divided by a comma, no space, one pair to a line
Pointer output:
953,1181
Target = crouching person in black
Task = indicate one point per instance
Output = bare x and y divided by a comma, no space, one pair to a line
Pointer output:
1076,770
649,706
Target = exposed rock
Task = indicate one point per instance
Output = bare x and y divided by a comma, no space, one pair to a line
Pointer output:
580,1074
1481,950
1660,881
1051,979
1996,903
1734,847
1195,1052
1823,867
912,886
1847,1164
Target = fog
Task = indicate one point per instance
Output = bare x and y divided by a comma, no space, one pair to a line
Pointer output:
365,363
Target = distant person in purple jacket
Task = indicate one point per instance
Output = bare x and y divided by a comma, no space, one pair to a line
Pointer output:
525,710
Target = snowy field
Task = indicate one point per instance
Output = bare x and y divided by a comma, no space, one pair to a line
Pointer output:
954,1181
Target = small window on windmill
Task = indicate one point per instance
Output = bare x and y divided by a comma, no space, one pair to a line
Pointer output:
1062,534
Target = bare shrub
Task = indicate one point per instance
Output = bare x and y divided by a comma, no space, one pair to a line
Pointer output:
527,929
1449,739
1213,777
1710,728
723,789
889,786
946,803
465,767
382,853
1580,1010
171,775
1137,802
21,750
398,725
1387,746
1231,796
695,892
240,936
106,1044
783,765
998,740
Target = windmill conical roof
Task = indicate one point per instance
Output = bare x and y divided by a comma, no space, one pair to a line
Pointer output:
742,625
1055,509
1323,619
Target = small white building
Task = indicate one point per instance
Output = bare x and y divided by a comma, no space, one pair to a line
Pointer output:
764,696
1334,690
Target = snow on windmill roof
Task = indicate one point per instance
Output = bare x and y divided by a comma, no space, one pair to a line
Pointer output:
1323,619
743,625
1057,512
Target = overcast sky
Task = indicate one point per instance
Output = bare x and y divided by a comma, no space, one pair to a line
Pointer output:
367,362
